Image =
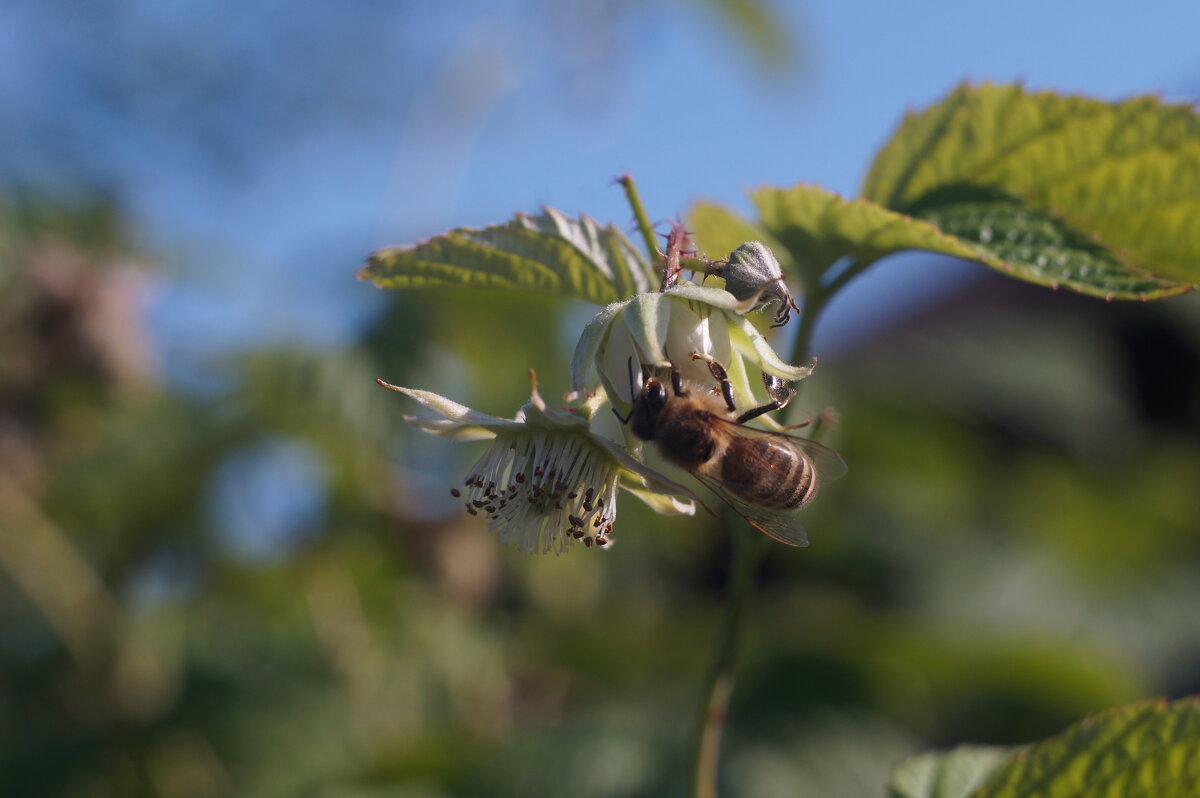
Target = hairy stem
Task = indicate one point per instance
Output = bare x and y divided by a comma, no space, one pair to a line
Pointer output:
639,213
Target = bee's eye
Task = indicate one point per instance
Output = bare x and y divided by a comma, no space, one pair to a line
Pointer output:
656,395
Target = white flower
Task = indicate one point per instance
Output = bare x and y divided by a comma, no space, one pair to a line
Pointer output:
547,480
662,329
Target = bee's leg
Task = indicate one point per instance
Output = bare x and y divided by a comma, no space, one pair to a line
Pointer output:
676,377
677,382
718,372
780,395
769,407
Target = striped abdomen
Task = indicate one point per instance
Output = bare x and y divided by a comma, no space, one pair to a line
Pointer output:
768,472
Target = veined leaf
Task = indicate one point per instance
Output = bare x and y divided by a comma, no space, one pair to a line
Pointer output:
817,227
549,253
1128,173
1150,748
947,774
1033,245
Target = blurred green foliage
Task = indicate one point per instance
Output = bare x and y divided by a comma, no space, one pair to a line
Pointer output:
1016,545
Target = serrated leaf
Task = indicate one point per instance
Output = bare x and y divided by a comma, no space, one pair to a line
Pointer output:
1150,748
1032,244
549,253
947,774
818,227
1128,173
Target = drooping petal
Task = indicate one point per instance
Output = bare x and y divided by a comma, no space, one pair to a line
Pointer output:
751,343
452,410
661,504
446,428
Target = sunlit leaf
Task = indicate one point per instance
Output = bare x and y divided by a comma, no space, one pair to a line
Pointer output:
1034,245
947,774
1149,748
549,253
1127,173
818,228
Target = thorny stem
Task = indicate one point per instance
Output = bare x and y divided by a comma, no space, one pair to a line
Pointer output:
639,213
749,548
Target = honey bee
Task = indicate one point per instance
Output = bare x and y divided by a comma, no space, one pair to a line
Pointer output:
763,475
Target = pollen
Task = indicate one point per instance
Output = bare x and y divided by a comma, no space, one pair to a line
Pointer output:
543,490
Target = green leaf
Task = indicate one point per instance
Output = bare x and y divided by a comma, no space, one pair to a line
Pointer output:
818,228
760,27
947,774
1150,748
1128,173
549,253
718,231
1034,245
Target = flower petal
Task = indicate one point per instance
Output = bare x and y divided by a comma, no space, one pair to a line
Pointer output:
751,343
445,428
660,503
595,333
460,414
646,318
716,297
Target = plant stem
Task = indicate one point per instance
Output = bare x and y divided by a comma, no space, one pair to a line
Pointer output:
639,213
749,548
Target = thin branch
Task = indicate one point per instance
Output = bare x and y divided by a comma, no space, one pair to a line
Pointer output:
748,549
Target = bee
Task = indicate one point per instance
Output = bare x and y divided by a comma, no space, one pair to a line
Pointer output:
763,475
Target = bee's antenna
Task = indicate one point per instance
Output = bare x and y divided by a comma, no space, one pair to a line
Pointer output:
632,392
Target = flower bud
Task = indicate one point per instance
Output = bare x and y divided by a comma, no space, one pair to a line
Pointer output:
753,272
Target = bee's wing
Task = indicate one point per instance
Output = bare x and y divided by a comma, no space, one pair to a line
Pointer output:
779,524
829,464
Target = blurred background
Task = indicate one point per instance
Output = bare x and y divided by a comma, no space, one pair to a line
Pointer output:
225,568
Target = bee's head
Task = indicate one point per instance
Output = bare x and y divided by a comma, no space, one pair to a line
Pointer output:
647,405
